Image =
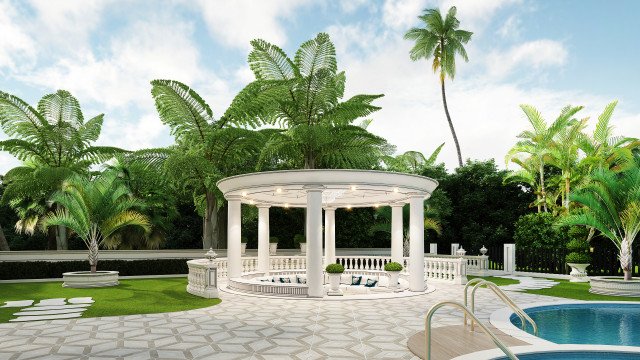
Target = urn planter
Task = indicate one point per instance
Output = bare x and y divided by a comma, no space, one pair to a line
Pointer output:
273,247
303,247
394,276
334,285
578,272
88,279
243,247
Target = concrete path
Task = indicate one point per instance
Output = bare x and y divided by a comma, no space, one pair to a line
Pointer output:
245,327
528,283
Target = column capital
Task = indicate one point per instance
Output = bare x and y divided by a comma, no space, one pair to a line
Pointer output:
233,197
415,195
397,204
329,208
263,206
310,188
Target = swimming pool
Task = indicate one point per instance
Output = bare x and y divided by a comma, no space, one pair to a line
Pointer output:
587,323
576,355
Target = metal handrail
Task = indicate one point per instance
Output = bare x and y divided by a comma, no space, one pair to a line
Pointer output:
507,300
466,311
466,286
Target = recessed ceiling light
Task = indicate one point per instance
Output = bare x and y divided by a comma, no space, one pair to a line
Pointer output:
286,206
376,206
348,207
395,190
244,193
251,202
353,188
279,190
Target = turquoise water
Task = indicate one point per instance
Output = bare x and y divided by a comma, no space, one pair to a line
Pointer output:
589,323
578,355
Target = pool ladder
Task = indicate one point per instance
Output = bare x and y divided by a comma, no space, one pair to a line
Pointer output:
524,317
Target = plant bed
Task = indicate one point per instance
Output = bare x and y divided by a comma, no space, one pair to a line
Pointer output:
615,286
88,279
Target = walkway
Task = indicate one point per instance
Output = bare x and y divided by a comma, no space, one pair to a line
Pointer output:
244,327
528,283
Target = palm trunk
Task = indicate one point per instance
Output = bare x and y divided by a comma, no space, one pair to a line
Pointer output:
626,260
543,192
93,247
52,238
567,189
210,222
61,235
309,160
4,246
453,131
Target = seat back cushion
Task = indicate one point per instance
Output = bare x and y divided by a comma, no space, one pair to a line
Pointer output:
356,279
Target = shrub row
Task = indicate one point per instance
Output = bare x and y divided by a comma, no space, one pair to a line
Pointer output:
10,270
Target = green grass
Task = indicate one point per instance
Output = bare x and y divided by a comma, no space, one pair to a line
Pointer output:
139,296
578,291
497,280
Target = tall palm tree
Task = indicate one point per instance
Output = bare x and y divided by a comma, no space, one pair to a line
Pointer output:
53,142
441,39
207,149
303,96
564,155
95,209
612,206
538,141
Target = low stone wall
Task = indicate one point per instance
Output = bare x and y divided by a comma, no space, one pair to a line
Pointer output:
615,286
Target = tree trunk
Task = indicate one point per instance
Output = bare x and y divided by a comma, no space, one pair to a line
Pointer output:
221,229
543,193
4,246
626,260
453,131
52,238
309,160
93,254
210,222
61,238
567,189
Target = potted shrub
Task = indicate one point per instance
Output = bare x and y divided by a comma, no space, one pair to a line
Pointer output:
243,244
334,271
301,241
578,259
273,245
393,268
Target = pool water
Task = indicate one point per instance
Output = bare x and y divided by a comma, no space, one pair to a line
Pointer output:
577,355
589,323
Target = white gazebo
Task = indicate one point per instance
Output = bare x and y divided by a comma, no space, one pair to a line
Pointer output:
316,190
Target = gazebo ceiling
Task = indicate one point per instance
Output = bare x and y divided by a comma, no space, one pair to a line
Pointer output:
341,188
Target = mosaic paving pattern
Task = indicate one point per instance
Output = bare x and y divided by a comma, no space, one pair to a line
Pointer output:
244,327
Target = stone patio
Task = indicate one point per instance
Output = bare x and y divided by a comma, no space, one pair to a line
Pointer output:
245,327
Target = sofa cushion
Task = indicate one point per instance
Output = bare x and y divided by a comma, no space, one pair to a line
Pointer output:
356,279
285,279
371,282
301,279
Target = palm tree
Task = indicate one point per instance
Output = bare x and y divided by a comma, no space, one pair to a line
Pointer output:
206,150
538,141
413,162
441,39
612,206
95,210
564,155
53,142
303,96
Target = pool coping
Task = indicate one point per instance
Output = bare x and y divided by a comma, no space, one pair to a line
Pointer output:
501,319
551,347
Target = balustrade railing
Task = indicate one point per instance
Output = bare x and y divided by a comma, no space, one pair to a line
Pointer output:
449,268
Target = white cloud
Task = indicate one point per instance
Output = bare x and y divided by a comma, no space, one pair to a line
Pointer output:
349,6
400,14
534,55
510,28
237,22
16,46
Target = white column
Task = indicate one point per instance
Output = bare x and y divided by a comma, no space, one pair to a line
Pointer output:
314,241
234,251
509,258
397,233
416,243
263,238
329,236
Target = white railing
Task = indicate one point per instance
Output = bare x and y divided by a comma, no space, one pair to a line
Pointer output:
445,268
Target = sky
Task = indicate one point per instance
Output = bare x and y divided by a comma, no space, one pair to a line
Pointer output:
545,53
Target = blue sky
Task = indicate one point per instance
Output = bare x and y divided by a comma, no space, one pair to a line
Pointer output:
545,53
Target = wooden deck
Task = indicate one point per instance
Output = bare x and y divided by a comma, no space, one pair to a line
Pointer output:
447,342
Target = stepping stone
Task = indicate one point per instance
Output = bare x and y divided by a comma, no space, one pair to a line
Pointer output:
49,312
81,300
46,317
20,303
58,307
50,302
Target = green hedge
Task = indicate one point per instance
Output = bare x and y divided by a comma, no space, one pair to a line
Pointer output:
10,270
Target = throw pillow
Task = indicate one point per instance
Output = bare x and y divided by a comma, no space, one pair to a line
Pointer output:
355,280
285,280
371,283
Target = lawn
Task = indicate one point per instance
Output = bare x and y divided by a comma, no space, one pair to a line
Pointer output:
578,291
496,280
139,296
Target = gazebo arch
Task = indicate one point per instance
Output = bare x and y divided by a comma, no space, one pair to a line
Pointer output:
327,189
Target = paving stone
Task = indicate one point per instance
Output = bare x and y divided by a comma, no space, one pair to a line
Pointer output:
20,303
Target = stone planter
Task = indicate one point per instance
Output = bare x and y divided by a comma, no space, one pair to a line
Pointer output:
87,279
243,248
393,280
272,248
303,247
578,272
334,284
615,286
